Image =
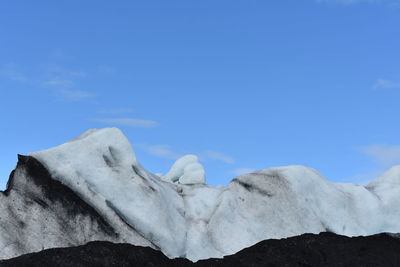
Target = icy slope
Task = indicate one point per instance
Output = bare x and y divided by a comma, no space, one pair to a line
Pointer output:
102,169
178,213
38,212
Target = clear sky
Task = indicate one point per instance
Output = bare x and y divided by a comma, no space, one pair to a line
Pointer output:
245,85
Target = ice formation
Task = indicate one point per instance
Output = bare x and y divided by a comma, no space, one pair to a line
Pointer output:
177,213
186,170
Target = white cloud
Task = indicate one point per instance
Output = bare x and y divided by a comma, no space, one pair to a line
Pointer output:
104,69
64,82
79,74
162,151
166,151
385,155
346,2
75,95
59,80
13,75
364,178
386,84
11,72
216,155
59,83
56,70
131,122
116,111
242,171
392,3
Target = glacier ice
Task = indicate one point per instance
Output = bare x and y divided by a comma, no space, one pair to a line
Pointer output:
186,170
102,168
184,217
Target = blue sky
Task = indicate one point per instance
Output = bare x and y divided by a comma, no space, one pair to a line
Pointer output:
245,85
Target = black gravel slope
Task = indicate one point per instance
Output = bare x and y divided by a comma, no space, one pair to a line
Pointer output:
325,249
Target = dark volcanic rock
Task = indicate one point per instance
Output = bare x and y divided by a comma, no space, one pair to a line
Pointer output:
325,249
98,253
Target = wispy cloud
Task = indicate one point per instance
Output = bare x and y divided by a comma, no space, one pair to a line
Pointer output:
104,69
364,178
347,2
168,152
59,83
65,83
385,155
390,3
56,70
116,111
75,95
131,122
216,155
48,76
386,84
162,151
11,71
80,74
242,171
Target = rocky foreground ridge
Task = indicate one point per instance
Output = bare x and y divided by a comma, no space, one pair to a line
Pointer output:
93,188
324,249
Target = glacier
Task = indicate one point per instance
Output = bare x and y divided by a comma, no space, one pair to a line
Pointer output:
186,170
94,188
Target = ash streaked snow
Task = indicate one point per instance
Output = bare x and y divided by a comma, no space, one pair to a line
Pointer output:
181,215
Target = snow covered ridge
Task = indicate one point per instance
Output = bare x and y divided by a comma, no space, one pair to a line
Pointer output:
93,188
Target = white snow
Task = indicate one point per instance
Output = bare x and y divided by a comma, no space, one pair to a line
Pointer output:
183,216
387,190
102,168
186,170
